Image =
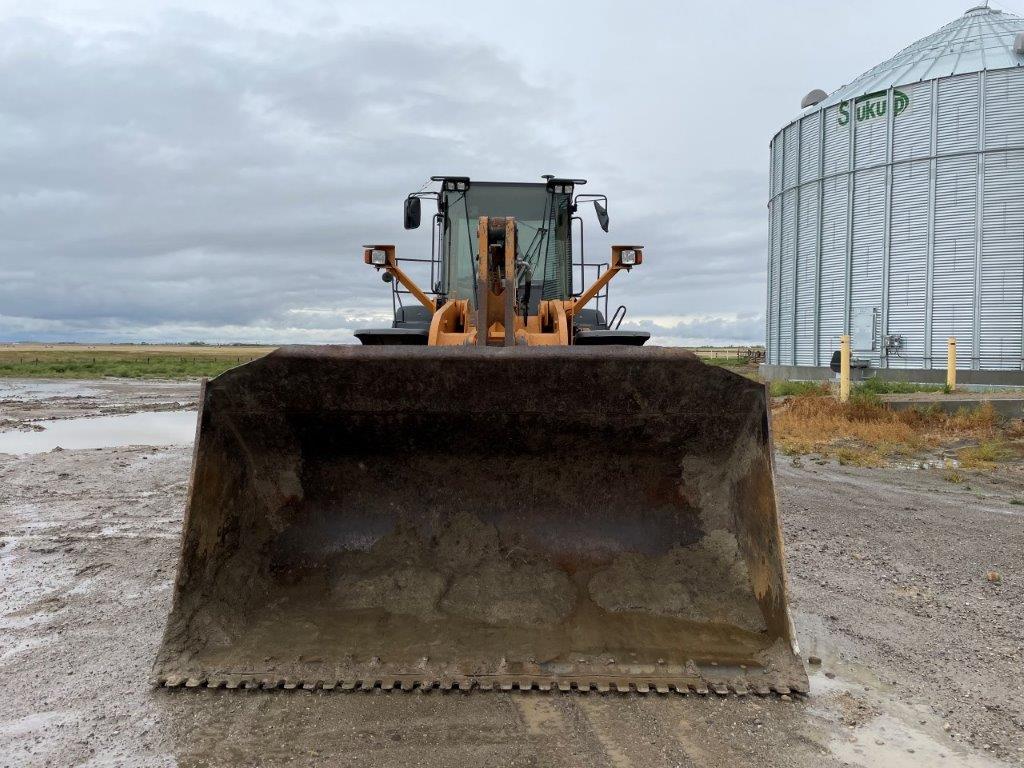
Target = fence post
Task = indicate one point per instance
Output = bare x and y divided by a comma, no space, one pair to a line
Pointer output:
951,363
844,368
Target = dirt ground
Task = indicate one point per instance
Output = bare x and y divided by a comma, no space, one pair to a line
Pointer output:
921,653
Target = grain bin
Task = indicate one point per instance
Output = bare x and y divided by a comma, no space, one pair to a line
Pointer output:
897,209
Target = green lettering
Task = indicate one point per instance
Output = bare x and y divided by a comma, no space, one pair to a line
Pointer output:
900,101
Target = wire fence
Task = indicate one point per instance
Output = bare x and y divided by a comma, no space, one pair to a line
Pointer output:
749,354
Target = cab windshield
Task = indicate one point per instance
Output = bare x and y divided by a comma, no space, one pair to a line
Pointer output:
544,241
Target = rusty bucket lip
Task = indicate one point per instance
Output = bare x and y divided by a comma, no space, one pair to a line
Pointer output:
360,350
645,373
357,352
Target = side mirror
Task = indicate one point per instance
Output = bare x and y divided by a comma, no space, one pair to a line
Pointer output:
602,215
412,212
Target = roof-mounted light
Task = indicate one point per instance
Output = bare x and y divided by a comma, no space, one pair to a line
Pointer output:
561,186
452,183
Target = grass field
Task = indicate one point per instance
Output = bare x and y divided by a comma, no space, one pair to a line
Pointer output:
149,361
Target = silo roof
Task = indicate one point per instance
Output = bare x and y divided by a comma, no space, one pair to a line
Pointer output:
981,39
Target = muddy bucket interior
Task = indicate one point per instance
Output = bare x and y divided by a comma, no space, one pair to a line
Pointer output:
413,516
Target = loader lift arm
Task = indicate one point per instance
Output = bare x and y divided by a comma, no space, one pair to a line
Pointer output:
634,256
383,257
499,270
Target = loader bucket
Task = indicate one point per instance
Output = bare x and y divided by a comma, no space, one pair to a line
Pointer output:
574,517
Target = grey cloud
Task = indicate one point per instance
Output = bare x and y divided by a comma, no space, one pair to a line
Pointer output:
171,174
738,330
204,174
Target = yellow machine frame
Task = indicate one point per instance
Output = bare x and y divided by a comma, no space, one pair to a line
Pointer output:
455,322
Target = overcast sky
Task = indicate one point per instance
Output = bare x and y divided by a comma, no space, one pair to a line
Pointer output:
170,174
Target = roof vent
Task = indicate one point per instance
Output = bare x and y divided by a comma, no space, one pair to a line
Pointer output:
815,96
1018,44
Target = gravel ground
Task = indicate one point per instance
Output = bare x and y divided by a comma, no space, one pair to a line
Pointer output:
920,653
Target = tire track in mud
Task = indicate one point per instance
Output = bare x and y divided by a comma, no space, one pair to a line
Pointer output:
558,731
622,727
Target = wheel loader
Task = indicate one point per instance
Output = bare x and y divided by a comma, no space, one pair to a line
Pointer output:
504,490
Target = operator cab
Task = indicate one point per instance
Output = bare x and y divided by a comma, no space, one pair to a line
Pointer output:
543,213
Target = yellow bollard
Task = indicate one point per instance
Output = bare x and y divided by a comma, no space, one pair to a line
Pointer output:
951,363
844,368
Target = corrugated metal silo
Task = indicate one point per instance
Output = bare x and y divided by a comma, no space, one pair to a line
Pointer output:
897,208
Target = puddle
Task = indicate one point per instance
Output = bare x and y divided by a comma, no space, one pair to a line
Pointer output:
942,462
42,389
144,428
889,742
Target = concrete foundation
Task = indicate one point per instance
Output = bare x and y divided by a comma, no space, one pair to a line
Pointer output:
913,375
1009,406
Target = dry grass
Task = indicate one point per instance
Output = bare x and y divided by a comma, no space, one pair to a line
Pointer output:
865,432
985,455
953,476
